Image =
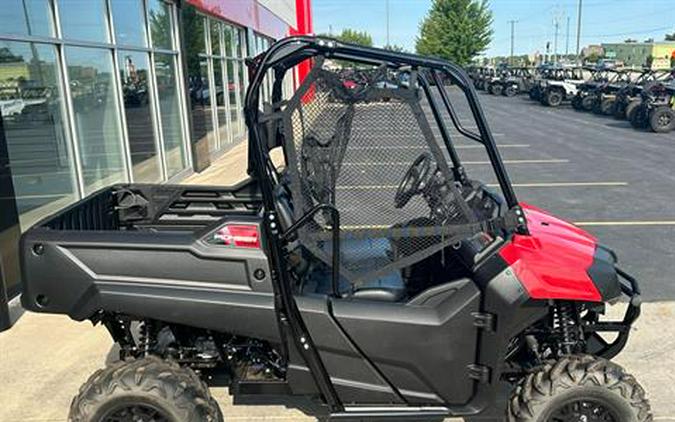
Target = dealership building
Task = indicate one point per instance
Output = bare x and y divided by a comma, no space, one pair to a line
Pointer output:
97,92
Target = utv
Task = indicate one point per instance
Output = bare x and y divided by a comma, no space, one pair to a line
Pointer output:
656,109
586,91
512,82
629,98
366,270
606,94
563,87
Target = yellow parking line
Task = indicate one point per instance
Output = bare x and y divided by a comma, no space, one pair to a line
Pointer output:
624,223
406,163
495,185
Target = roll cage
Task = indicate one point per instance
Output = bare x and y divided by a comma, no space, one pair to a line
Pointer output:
290,52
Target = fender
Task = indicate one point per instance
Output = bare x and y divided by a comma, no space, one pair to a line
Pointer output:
554,260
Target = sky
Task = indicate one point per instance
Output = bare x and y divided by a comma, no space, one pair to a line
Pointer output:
602,21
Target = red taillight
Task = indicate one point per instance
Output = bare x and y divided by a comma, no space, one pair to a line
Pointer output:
239,236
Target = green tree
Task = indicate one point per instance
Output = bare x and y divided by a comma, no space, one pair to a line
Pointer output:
630,41
456,30
670,37
394,47
353,36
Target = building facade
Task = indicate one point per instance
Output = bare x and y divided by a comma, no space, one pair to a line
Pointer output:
656,55
97,92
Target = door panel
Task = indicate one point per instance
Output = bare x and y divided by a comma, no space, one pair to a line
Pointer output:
423,351
354,379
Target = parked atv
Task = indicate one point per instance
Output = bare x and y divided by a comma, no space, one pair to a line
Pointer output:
514,81
378,289
657,109
605,94
630,97
586,91
563,87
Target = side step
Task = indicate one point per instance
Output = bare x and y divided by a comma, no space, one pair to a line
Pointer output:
404,413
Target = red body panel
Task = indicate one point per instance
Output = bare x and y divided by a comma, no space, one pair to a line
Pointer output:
553,261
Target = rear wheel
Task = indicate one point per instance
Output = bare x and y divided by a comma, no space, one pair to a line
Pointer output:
497,89
144,390
587,103
554,98
640,117
579,388
510,91
607,106
662,119
576,103
630,109
489,88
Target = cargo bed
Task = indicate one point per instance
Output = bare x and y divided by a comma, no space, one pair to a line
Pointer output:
153,251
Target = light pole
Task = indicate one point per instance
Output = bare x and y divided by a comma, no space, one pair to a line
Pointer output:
386,3
513,23
578,28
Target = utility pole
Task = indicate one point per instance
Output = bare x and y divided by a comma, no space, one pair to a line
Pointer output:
555,40
386,2
513,23
578,28
567,38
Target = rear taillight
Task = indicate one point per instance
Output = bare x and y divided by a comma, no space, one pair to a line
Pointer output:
238,236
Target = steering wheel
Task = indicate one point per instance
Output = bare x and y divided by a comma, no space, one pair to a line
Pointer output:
413,180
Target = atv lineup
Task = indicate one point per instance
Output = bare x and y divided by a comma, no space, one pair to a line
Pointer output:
368,271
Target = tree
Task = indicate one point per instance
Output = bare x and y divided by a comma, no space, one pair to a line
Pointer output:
396,48
353,36
670,37
630,41
648,41
456,30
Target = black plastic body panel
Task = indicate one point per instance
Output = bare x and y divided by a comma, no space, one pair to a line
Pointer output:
87,259
424,351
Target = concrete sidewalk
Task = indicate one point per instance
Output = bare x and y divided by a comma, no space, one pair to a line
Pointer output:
45,358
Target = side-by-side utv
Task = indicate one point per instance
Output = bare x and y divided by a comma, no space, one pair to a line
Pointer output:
359,265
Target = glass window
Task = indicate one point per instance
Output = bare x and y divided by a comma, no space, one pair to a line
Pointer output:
215,37
169,113
83,20
233,91
161,27
134,71
26,17
90,73
31,108
129,22
228,39
220,101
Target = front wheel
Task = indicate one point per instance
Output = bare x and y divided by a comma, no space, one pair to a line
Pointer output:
144,390
579,388
554,98
497,89
511,91
662,119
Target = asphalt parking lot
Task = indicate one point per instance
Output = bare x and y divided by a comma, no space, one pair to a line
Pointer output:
598,172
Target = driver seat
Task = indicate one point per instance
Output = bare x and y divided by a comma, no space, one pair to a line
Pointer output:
390,288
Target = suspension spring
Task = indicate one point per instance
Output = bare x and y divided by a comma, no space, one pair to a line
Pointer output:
564,323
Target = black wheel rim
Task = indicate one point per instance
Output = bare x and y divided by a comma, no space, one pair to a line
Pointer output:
664,120
585,410
135,413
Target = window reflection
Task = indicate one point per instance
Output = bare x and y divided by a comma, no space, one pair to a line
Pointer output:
129,22
134,70
31,107
221,106
169,107
83,20
96,117
26,17
159,15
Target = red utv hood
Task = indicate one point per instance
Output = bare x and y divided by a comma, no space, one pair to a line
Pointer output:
553,261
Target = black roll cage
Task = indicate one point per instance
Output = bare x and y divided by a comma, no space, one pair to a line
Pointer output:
279,58
287,53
